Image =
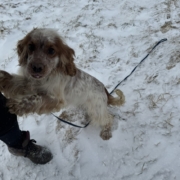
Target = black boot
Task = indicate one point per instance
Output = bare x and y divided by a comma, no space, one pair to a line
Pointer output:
37,154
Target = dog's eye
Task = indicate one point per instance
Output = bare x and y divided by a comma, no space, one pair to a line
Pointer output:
31,47
51,51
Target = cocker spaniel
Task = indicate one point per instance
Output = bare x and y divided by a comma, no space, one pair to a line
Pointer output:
49,81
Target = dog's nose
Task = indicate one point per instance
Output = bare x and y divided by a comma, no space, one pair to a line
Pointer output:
37,68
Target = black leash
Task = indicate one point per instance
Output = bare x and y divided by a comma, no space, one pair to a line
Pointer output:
69,122
159,42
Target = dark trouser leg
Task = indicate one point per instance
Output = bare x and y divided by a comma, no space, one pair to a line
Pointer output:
9,128
18,141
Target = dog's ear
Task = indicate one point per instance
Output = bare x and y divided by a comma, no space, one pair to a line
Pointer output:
66,63
19,47
22,51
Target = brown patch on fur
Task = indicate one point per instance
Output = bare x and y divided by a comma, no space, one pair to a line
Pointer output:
118,101
52,46
66,54
4,80
22,50
50,105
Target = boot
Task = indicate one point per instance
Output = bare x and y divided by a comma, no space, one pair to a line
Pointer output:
37,154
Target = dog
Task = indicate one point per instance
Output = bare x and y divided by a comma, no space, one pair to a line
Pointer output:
49,80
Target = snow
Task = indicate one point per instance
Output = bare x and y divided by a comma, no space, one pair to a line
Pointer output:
109,38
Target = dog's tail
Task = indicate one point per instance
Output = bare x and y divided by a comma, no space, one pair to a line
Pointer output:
115,101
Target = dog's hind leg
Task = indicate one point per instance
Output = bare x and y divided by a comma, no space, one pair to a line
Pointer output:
98,113
106,127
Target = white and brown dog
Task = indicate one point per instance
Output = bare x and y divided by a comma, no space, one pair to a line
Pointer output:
50,81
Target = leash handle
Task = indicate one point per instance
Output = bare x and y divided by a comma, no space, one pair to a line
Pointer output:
159,42
71,123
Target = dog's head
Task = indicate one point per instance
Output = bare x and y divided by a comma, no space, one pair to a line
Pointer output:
42,51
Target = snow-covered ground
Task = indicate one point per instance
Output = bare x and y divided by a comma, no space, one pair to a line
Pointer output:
109,37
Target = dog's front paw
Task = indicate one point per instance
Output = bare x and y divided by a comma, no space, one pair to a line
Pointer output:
4,75
15,107
25,106
5,78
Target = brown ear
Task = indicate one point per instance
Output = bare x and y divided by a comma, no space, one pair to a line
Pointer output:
66,63
20,47
22,51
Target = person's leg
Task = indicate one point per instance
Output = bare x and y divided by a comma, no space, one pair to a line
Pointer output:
18,141
9,128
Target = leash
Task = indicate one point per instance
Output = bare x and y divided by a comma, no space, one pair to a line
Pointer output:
159,42
70,123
